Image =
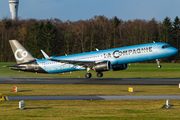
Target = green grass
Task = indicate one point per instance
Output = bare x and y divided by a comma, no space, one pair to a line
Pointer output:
87,109
93,109
73,89
140,70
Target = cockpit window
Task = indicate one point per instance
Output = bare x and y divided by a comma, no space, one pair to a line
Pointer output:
165,46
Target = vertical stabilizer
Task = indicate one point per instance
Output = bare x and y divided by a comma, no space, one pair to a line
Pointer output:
20,53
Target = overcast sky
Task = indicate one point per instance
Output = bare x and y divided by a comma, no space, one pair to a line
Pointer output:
75,10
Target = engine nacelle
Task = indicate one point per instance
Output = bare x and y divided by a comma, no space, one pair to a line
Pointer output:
102,66
119,67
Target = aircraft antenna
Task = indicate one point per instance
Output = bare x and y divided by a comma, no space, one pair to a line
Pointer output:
97,49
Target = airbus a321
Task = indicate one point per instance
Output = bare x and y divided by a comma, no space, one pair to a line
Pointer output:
99,61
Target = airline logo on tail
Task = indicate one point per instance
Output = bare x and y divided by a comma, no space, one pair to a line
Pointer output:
23,54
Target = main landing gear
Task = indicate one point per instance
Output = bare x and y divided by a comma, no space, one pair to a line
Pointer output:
99,74
159,66
89,75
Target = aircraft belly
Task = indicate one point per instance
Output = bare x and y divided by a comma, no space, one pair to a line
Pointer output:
32,66
61,68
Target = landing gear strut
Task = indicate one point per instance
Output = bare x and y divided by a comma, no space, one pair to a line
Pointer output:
99,74
157,60
88,75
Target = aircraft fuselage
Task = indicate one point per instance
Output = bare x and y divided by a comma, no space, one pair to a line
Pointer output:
118,57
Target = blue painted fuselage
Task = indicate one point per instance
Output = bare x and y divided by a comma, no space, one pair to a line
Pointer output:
116,56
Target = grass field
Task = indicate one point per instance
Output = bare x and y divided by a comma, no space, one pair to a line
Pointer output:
88,110
138,70
93,109
73,89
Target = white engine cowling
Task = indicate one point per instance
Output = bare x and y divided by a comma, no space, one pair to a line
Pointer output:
102,66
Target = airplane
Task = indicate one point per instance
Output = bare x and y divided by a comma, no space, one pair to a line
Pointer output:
99,60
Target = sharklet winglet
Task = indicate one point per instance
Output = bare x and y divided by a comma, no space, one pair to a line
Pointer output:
45,55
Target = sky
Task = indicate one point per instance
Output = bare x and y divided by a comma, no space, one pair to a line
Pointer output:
74,10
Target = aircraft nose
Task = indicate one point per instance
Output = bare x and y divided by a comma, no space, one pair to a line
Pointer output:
174,50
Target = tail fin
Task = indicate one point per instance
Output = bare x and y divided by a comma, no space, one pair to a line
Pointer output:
20,53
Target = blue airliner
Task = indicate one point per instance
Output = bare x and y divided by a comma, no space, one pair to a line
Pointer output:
99,61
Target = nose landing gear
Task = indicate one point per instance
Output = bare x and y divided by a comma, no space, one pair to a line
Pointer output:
159,66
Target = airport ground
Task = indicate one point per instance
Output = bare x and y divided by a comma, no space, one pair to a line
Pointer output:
134,70
90,110
81,89
94,109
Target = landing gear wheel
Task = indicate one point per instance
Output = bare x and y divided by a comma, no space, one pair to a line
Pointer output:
99,74
157,60
159,66
88,75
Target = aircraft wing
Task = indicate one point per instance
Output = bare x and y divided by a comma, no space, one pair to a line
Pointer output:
80,63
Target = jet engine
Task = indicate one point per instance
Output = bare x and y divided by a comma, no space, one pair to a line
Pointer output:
119,67
102,66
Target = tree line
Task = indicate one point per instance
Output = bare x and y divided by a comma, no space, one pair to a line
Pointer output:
58,38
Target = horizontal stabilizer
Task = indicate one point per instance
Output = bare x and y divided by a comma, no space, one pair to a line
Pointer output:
6,66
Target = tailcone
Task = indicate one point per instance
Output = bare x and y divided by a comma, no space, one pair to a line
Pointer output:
18,67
